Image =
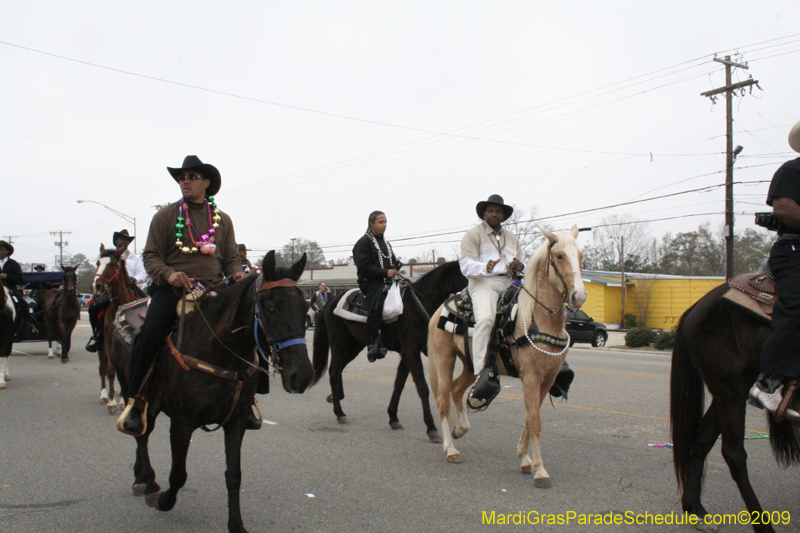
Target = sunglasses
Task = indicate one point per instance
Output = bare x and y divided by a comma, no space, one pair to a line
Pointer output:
194,176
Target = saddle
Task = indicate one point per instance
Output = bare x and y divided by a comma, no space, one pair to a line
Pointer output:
754,293
353,306
457,317
130,317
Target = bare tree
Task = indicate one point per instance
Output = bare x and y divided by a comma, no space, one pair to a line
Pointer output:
643,294
524,224
618,240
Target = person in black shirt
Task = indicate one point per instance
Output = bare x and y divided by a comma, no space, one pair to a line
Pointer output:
779,353
11,276
376,264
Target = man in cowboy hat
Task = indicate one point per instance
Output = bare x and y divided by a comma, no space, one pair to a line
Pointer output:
779,359
189,240
488,260
11,276
136,273
247,266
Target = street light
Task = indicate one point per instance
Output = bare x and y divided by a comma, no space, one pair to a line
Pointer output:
123,216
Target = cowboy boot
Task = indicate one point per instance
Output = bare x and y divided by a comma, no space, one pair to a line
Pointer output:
133,419
484,390
253,420
767,393
375,351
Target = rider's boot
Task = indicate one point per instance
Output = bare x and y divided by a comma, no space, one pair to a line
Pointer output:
133,419
766,393
375,351
94,342
484,390
253,420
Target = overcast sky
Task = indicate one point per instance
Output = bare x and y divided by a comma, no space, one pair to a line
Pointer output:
317,113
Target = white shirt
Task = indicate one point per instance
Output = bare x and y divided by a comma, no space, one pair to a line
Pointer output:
481,245
134,266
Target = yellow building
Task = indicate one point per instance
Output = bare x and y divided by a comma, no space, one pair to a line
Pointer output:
665,298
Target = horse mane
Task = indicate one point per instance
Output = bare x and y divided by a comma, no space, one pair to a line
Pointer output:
229,302
541,256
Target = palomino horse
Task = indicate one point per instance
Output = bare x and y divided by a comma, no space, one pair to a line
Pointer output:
111,278
223,332
62,310
552,281
9,324
408,336
719,345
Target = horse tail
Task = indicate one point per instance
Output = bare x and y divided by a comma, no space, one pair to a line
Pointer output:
785,439
687,398
321,347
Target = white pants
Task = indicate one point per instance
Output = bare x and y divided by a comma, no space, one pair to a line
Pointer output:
485,293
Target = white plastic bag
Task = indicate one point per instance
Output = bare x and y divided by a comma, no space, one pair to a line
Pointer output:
393,305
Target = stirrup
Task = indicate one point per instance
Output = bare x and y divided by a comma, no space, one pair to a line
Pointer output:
126,413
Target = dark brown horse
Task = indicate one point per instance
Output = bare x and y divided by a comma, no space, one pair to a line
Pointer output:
408,336
222,332
62,310
719,345
111,278
9,325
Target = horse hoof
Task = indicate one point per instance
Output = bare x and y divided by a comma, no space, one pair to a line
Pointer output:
396,425
112,409
343,420
542,483
457,432
151,499
64,360
7,377
700,526
51,356
329,399
435,436
455,458
2,385
138,489
526,469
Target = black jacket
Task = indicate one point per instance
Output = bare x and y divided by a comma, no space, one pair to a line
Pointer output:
14,273
368,262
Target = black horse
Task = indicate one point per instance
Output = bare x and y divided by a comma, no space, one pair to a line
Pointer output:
719,345
408,336
10,324
220,333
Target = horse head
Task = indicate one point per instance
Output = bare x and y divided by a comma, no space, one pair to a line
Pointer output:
109,268
70,281
282,309
564,259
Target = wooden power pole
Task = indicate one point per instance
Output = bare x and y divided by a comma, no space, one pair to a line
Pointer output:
729,89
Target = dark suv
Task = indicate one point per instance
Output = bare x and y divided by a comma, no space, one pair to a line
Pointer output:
582,328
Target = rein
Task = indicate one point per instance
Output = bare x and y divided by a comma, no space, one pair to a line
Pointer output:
406,283
564,292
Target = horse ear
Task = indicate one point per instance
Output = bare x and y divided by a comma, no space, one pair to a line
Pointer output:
268,264
574,231
102,247
298,267
548,234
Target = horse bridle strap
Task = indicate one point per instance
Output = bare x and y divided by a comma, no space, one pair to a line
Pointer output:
187,362
285,282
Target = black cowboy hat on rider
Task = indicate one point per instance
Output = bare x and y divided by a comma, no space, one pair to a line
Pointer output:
188,240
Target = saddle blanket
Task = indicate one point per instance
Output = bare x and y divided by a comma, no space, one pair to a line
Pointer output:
129,319
353,306
756,294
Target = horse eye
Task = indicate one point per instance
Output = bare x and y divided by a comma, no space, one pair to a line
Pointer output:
559,256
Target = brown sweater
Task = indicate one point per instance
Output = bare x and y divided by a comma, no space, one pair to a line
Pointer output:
162,258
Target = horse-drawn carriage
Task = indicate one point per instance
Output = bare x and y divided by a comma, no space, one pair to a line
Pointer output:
36,285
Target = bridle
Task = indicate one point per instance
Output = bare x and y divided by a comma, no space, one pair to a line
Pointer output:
108,281
274,345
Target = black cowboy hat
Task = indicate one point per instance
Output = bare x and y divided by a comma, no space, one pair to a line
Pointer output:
497,200
4,244
122,234
242,248
192,162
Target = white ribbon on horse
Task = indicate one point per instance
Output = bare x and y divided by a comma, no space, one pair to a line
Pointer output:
393,305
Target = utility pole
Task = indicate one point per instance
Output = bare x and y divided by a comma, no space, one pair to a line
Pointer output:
293,239
622,280
729,89
10,238
60,243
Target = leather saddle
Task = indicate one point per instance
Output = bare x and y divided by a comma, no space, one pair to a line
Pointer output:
755,293
130,317
353,306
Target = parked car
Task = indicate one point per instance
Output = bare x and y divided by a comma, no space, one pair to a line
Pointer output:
582,328
84,299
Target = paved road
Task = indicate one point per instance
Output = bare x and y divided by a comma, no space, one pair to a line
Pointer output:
64,467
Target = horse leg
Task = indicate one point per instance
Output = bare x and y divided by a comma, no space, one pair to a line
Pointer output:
4,371
144,477
111,376
414,364
180,435
704,439
532,431
64,335
234,433
394,403
50,354
462,384
102,355
442,361
339,360
731,421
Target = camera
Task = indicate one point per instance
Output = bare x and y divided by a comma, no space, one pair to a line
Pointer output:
768,221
